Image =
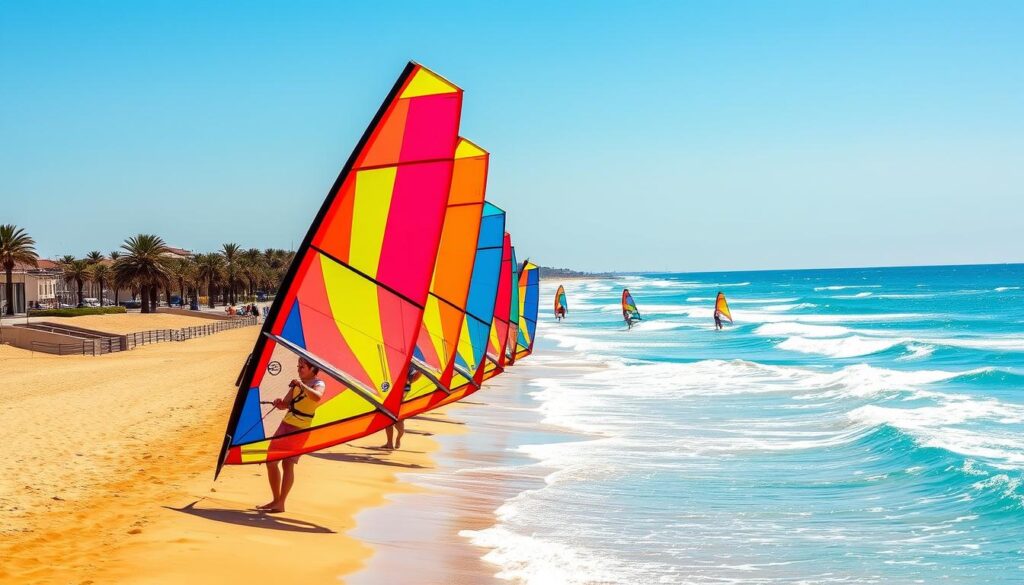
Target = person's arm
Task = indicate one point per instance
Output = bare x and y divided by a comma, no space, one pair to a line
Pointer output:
316,391
282,403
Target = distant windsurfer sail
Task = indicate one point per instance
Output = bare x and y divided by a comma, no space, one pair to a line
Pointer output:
721,310
561,305
629,311
352,302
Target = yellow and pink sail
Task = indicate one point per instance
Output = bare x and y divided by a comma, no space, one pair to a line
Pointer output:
353,299
404,265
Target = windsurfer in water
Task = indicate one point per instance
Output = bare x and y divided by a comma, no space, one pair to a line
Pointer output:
718,319
394,432
304,395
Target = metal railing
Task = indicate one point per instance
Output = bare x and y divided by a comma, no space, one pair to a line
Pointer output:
186,333
64,348
94,344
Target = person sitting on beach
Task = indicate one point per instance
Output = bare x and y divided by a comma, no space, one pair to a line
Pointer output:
301,402
394,432
718,320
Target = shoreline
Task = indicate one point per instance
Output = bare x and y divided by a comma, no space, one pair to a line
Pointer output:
450,522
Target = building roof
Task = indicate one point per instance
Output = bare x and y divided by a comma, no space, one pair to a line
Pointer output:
178,251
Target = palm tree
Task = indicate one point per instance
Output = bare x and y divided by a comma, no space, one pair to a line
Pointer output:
143,263
210,270
252,265
231,254
183,272
66,258
114,282
100,274
77,271
15,246
95,257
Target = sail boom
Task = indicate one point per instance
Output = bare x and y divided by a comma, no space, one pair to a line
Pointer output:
354,385
428,372
467,375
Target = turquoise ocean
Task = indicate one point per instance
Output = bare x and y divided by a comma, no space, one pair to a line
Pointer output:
851,426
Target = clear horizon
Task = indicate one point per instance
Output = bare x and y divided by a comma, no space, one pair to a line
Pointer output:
694,137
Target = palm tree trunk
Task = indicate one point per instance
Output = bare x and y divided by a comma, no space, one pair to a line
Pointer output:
101,292
144,294
9,290
80,286
154,297
211,294
117,291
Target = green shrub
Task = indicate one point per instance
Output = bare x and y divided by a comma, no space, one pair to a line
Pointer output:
77,312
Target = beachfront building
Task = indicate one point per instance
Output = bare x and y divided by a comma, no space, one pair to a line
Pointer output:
33,286
92,289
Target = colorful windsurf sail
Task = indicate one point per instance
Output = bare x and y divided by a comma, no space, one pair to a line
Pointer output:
629,310
529,294
561,305
483,292
514,308
352,302
495,357
445,313
722,307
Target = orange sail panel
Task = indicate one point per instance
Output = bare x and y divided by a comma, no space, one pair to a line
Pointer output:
445,313
495,359
722,307
352,301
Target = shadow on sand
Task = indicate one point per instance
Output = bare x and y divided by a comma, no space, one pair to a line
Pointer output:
354,458
440,420
254,518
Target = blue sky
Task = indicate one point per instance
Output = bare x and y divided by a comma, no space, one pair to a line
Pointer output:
645,136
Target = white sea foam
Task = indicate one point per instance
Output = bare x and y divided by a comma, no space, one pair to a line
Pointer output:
937,426
846,286
791,307
860,295
842,347
917,351
1006,288
534,560
787,328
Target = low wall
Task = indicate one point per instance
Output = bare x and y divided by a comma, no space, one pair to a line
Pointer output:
45,341
191,313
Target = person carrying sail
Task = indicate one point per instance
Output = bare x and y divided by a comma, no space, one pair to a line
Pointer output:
718,319
304,395
394,432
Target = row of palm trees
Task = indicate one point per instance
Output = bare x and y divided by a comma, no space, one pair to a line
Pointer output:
145,266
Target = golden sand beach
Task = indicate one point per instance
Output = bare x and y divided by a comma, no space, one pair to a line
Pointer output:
110,473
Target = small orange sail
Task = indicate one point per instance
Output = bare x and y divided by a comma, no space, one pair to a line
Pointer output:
722,307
